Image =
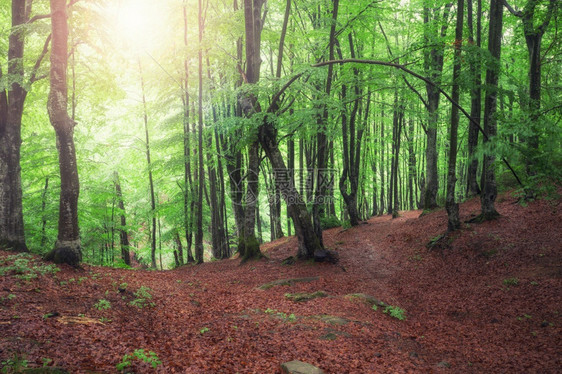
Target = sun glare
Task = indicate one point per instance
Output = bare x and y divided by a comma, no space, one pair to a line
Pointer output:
139,25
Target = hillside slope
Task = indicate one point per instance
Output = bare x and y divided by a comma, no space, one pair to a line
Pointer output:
489,302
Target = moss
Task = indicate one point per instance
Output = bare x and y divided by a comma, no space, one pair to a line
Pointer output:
303,296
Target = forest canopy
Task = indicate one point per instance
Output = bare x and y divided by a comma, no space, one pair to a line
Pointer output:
168,132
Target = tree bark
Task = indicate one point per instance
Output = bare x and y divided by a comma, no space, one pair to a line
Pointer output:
434,69
472,187
201,168
150,177
12,234
352,140
451,205
489,188
319,203
123,235
68,246
188,190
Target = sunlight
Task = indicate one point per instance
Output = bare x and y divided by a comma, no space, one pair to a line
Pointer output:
139,26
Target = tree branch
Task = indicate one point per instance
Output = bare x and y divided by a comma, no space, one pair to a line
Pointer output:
549,12
33,78
516,13
275,99
38,17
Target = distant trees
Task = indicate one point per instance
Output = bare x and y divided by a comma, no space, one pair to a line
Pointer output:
248,131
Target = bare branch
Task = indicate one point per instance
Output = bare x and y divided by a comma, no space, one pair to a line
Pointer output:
38,17
33,78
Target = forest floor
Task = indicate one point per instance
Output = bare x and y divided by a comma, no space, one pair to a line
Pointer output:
488,301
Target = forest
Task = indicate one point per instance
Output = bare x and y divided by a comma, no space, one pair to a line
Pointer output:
155,135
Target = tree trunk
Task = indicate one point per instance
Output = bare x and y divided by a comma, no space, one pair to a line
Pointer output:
123,235
451,205
188,191
396,161
201,168
304,229
68,247
150,178
12,234
489,188
43,214
472,187
382,168
434,69
351,146
248,244
319,204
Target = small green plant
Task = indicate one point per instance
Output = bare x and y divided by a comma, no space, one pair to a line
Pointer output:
204,330
143,298
16,364
395,312
9,297
346,224
105,320
375,307
46,361
139,354
511,281
287,318
102,304
25,267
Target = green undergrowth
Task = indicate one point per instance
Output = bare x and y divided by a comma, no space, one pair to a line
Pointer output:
24,266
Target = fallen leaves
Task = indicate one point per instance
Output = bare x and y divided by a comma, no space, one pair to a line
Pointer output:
214,318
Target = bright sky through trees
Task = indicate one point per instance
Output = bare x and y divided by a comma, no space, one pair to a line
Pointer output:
138,26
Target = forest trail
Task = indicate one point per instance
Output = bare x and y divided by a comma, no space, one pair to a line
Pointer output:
491,302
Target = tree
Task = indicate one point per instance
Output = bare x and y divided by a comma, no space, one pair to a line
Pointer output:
123,235
534,31
201,168
68,246
435,29
489,187
12,101
475,95
450,204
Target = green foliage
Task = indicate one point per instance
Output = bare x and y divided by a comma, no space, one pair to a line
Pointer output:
16,364
139,354
143,298
346,224
25,267
329,222
204,330
102,304
395,312
511,282
284,316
